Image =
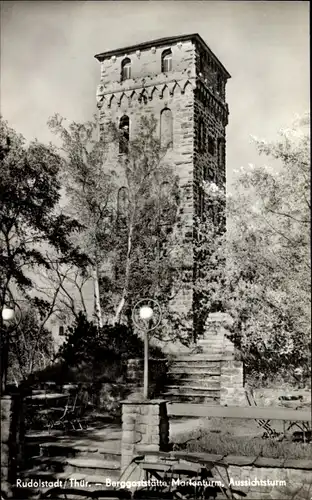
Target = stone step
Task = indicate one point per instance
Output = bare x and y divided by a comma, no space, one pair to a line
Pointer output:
90,466
50,464
194,358
194,362
110,450
36,473
206,383
196,371
195,390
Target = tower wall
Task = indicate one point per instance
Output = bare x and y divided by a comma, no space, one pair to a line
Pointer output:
193,90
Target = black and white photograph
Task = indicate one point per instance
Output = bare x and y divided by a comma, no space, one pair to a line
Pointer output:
155,258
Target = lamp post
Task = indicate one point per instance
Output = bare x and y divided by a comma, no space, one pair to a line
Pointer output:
146,316
8,315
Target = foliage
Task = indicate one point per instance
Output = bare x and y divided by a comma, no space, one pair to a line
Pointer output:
31,346
130,241
265,283
86,343
147,255
89,187
30,219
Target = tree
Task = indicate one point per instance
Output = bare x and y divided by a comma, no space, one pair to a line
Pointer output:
31,347
265,284
129,240
149,248
89,190
30,218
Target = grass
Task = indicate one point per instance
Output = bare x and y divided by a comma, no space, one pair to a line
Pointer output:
241,437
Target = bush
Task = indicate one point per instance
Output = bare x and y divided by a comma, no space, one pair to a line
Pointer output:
84,343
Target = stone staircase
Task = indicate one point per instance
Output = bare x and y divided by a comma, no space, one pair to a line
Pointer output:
195,376
84,459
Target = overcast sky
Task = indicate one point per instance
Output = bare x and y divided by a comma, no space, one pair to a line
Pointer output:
48,65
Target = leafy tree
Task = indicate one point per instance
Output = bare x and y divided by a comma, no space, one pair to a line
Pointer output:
265,284
271,258
30,219
130,246
85,343
90,190
30,346
149,250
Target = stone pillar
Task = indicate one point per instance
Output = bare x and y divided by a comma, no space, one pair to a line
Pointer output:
232,383
12,439
145,427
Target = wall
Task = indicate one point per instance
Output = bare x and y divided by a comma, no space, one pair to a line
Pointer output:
145,428
194,89
147,94
12,440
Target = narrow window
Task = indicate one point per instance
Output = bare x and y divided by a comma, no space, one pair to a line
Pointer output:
125,69
201,203
124,127
219,84
166,128
221,153
61,331
201,135
211,145
122,207
166,61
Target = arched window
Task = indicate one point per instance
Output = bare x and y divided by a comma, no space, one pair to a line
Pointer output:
122,200
124,129
166,61
166,128
125,69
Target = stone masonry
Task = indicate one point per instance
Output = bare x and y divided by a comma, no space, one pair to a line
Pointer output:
11,440
193,91
216,342
145,427
212,372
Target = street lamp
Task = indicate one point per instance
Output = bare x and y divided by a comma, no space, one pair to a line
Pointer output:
8,315
146,316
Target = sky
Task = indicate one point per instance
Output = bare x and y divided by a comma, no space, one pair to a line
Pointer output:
48,66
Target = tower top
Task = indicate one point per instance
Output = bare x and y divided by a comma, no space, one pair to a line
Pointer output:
195,38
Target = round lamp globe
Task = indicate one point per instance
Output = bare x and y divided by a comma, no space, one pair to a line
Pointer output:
146,312
7,313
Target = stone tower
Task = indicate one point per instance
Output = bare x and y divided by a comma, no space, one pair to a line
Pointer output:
182,83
